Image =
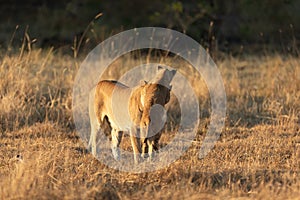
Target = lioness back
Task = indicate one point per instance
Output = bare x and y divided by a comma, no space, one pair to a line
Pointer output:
111,100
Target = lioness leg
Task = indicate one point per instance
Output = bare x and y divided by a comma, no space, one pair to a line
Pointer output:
150,143
153,145
135,143
143,135
156,141
95,127
93,141
144,147
116,137
94,124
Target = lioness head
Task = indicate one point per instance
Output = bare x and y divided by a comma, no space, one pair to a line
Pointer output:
156,92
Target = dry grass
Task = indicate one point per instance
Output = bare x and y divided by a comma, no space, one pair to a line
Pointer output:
257,156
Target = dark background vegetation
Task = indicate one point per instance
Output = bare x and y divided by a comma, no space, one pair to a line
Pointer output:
216,24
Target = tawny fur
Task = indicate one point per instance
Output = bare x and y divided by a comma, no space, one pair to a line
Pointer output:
128,109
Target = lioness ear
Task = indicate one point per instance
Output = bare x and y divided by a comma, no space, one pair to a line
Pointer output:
143,82
173,72
167,98
159,67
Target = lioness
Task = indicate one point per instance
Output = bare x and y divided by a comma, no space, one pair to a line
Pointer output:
128,109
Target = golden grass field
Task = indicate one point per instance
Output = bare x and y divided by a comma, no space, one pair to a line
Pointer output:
256,157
